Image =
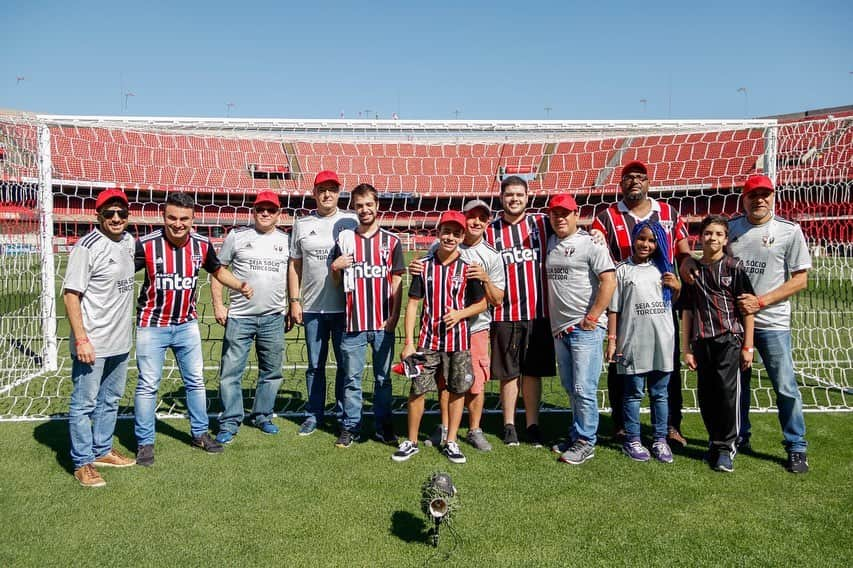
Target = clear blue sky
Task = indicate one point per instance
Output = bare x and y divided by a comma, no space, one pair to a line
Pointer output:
425,60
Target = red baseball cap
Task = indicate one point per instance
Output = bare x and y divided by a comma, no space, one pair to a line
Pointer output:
108,194
563,200
267,197
326,175
452,217
635,166
754,182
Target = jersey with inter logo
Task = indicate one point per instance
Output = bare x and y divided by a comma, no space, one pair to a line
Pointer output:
445,288
522,248
376,259
617,223
168,293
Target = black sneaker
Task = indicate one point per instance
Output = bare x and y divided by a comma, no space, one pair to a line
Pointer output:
534,436
207,443
386,434
145,455
346,439
743,445
797,462
406,450
510,435
453,453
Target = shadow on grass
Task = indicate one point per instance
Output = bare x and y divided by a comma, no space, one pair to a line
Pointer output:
408,528
54,435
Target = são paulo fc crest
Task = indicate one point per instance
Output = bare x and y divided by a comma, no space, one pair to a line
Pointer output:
768,240
384,252
570,251
726,280
667,226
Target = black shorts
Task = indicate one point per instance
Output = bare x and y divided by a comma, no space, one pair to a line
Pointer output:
454,366
522,348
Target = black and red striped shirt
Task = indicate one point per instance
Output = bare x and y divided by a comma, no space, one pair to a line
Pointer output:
168,293
445,288
713,298
522,247
617,223
376,259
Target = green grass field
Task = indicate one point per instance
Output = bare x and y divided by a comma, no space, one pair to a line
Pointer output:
294,501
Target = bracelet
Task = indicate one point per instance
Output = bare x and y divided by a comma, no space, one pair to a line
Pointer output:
748,349
80,342
590,319
611,337
761,303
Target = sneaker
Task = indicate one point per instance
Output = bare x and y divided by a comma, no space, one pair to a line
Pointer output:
88,476
534,436
406,450
145,455
386,434
561,447
346,439
225,437
308,427
661,451
453,453
438,437
635,450
207,443
578,453
797,462
114,459
743,444
477,439
724,463
510,435
675,437
267,427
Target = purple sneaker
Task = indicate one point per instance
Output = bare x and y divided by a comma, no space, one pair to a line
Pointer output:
635,450
661,451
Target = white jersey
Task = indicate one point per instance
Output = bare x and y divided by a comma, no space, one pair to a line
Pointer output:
312,240
646,333
102,269
261,260
770,252
572,266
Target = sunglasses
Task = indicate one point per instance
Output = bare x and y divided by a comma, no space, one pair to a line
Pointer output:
110,213
270,210
635,177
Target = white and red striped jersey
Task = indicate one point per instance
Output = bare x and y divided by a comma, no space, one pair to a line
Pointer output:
168,293
376,259
617,222
445,288
522,248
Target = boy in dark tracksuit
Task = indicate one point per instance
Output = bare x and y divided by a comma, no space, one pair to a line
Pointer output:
718,342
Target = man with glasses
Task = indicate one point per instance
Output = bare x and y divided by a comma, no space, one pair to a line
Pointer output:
256,254
614,226
98,297
166,318
315,300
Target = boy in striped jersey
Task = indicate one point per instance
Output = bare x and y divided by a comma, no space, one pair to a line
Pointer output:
369,263
166,318
718,339
449,299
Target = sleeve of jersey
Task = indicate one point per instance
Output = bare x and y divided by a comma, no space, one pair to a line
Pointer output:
474,292
615,301
497,273
77,272
797,257
294,242
139,257
398,263
211,261
600,259
680,230
226,253
336,252
416,290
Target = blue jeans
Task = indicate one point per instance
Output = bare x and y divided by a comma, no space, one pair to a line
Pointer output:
267,333
354,351
579,357
94,406
319,328
774,346
151,345
658,383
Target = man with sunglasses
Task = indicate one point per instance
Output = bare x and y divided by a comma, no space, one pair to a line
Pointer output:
315,300
98,297
614,226
257,254
166,318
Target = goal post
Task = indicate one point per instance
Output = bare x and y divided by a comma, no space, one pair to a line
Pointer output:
53,167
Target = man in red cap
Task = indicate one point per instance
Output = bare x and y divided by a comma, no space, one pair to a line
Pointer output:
98,297
257,254
581,280
449,298
614,226
315,299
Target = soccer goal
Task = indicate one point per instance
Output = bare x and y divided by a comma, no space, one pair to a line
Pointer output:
54,166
